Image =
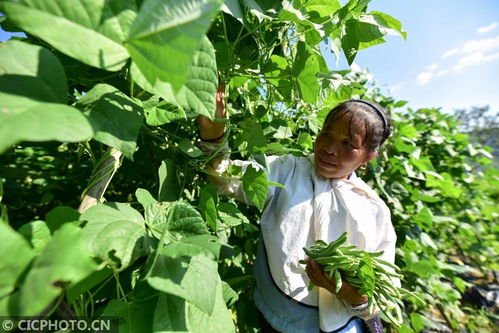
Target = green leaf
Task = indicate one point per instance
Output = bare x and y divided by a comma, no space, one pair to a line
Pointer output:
37,233
60,215
193,279
208,199
386,24
170,314
24,119
255,186
17,254
63,262
231,215
115,117
165,36
305,140
114,232
185,220
163,114
84,285
233,8
323,7
32,71
189,148
198,92
230,296
206,245
137,315
173,314
253,135
145,198
306,68
168,182
88,30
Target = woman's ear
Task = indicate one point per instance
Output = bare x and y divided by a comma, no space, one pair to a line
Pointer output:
370,156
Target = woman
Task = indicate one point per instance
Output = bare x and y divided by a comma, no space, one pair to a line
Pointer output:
322,198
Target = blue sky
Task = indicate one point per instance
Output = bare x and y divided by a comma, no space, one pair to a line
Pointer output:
449,60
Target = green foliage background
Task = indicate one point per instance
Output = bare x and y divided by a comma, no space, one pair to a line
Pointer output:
165,253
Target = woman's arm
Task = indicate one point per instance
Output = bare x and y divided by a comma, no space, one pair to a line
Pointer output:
211,140
213,130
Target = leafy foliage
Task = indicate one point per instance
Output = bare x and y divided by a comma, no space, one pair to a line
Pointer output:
131,75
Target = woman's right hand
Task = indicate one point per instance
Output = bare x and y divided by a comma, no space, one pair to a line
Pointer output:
209,129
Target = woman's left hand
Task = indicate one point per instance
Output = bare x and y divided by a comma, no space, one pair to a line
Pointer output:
320,279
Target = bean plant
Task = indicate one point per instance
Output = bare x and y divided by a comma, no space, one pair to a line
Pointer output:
105,208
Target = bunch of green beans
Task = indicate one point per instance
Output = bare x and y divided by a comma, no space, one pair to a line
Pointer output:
364,271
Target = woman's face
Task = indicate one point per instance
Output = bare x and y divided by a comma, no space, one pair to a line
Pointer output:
337,153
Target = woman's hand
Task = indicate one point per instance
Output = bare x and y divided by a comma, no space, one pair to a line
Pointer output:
320,279
209,129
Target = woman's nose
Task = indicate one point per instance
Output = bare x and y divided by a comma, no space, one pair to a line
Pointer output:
331,147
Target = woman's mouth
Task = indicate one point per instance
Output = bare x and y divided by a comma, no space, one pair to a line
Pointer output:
325,164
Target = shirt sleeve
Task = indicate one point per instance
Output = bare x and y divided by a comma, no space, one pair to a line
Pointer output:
218,165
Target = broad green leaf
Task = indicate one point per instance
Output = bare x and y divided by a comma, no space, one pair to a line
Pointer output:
60,215
323,7
165,36
168,181
88,30
136,315
113,211
276,66
306,68
386,24
253,135
189,148
25,119
424,218
63,262
219,321
255,186
206,245
233,8
197,94
115,117
305,140
194,279
84,285
32,71
349,41
145,198
163,113
114,232
208,205
184,220
231,215
173,314
229,295
37,233
170,314
17,254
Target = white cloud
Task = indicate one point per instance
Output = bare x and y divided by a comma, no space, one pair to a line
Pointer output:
487,28
432,67
475,59
424,77
481,45
442,73
450,53
472,53
396,87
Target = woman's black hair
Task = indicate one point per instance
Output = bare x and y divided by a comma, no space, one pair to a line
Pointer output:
371,115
